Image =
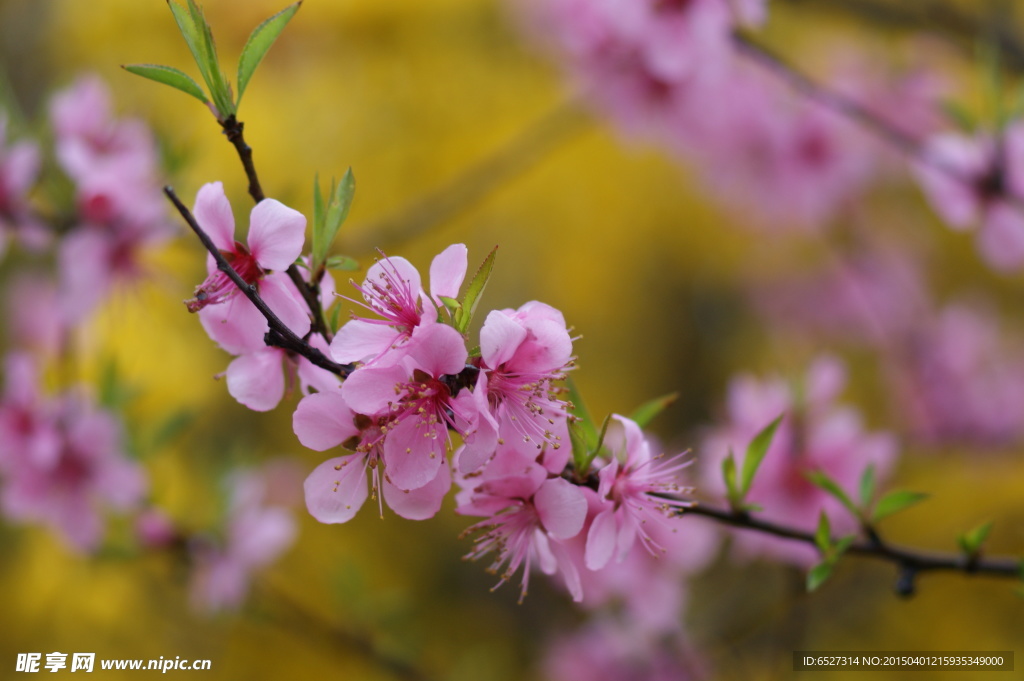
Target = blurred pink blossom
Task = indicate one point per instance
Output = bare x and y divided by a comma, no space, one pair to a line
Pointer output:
816,434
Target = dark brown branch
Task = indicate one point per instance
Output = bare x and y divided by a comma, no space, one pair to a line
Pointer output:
910,562
279,335
233,130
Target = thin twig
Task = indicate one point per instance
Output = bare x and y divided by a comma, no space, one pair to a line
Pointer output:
233,130
909,561
279,334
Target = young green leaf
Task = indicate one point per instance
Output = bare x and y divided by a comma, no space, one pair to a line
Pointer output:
260,41
199,39
894,502
474,291
840,547
970,542
647,411
337,207
756,451
450,303
819,574
342,263
169,76
318,212
823,535
867,486
832,487
584,421
335,317
729,476
580,450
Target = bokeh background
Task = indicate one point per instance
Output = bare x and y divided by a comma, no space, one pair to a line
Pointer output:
460,128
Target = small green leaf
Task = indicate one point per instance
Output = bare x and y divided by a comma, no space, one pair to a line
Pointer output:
646,412
971,541
580,450
318,214
190,32
260,41
842,545
829,485
867,486
819,574
474,291
585,422
342,263
332,216
756,451
169,76
894,502
729,476
823,535
199,39
335,316
450,303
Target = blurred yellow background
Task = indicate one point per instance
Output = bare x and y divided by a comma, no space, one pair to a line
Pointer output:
412,95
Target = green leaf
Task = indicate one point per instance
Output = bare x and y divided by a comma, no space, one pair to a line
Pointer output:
474,291
328,221
580,450
318,216
829,485
335,316
169,76
971,541
756,450
584,421
867,486
647,411
342,263
450,303
220,90
260,41
190,32
842,545
823,535
819,574
894,502
729,476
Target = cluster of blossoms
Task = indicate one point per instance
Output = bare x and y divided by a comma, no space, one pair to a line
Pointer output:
64,459
657,68
815,436
416,396
954,371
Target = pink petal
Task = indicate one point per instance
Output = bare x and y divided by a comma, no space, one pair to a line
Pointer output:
337,488
260,535
438,349
547,348
213,213
276,234
323,420
447,272
235,325
422,503
1001,240
500,337
601,539
256,379
369,390
360,341
413,453
394,270
562,508
280,295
